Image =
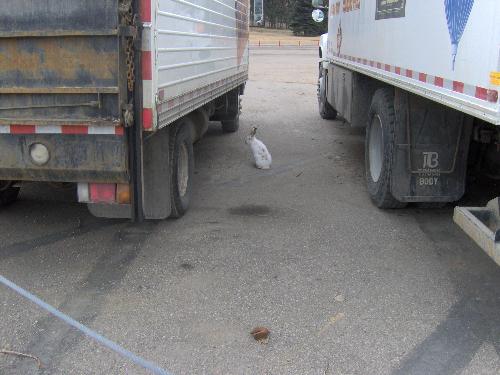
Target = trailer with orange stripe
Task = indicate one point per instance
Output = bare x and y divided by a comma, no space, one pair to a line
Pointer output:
111,95
423,79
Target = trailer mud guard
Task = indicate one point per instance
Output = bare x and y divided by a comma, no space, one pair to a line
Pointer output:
432,144
156,175
149,151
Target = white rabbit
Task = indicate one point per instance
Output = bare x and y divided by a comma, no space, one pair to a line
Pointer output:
261,155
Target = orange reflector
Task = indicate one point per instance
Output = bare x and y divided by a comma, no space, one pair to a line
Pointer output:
495,78
102,193
123,193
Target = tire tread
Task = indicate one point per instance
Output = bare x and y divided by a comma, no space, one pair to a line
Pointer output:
326,111
383,198
8,196
177,208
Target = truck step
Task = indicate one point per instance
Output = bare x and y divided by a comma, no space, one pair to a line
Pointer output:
482,224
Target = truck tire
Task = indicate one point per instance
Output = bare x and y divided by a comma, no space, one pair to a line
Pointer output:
231,123
431,205
379,149
182,167
8,196
326,111
231,126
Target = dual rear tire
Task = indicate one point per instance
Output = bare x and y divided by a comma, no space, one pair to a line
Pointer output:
379,149
379,142
8,195
181,168
231,126
182,155
326,111
231,123
182,162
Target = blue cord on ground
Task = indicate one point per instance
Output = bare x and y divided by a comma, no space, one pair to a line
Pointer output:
87,331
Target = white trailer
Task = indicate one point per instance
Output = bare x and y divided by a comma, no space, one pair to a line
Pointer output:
111,95
199,50
423,77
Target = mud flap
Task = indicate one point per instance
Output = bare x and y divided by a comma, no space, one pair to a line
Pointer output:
156,176
432,143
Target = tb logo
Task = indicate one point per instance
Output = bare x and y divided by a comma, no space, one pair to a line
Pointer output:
431,160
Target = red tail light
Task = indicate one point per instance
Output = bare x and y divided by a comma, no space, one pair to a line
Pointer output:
103,193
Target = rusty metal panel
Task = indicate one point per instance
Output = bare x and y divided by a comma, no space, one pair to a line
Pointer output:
28,16
73,158
52,109
62,65
52,62
60,62
59,78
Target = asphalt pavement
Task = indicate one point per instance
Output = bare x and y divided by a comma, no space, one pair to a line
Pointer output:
343,287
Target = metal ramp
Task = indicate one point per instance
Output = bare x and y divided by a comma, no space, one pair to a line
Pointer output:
482,224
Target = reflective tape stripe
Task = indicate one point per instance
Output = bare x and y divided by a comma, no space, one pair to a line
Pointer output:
22,129
102,129
48,129
477,92
74,129
61,129
147,118
147,66
147,93
145,10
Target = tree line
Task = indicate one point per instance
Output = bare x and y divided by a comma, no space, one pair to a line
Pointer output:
290,14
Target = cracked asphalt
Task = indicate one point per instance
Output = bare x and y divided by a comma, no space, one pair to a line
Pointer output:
344,288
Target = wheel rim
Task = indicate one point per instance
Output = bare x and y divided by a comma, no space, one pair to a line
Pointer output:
321,90
376,148
183,170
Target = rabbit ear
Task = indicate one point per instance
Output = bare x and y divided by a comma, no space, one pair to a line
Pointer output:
253,131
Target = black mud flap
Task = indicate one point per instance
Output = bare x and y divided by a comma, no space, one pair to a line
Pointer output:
156,177
432,143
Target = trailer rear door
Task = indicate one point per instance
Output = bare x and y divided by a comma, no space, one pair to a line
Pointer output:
61,64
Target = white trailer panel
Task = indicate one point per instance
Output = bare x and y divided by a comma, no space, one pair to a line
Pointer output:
446,50
199,51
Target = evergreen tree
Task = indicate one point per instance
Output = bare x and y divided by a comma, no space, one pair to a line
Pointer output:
302,22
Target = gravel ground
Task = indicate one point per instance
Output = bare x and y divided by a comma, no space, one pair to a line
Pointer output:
344,288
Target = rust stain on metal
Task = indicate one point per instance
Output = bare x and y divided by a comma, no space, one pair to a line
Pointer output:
67,59
59,90
52,33
65,121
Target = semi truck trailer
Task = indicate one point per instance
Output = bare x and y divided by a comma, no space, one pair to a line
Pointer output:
112,94
423,78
